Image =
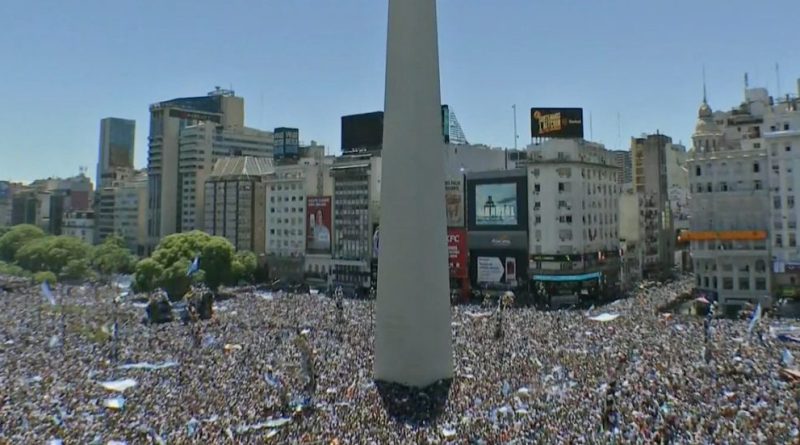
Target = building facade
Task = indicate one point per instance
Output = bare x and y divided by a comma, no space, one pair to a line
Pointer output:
130,212
79,224
730,202
235,198
650,179
117,138
104,205
356,201
167,122
573,201
624,162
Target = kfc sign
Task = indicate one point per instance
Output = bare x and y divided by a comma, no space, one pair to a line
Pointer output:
457,251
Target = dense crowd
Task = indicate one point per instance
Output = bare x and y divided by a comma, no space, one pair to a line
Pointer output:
242,376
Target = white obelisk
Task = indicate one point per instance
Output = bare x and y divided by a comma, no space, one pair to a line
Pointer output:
413,343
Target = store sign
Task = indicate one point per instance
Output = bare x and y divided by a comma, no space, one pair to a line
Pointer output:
490,270
457,252
498,240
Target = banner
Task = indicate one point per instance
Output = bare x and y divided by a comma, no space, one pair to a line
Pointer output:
457,251
557,123
318,224
454,199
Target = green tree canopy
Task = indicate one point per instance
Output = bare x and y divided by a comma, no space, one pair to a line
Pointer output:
43,276
112,257
52,253
148,275
16,237
243,267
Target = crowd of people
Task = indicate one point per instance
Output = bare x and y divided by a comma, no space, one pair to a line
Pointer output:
621,373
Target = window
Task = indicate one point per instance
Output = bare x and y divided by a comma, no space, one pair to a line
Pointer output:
723,186
744,283
786,126
778,240
537,219
537,188
727,283
761,266
697,171
788,148
761,283
757,185
756,167
790,202
776,202
537,205
792,240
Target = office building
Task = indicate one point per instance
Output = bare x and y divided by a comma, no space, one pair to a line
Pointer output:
130,211
649,156
631,235
79,224
6,203
729,177
104,205
235,200
356,203
168,120
573,195
624,162
55,196
201,145
116,147
24,207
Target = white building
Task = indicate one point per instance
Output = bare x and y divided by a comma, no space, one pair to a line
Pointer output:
79,224
130,212
573,211
730,202
287,193
631,233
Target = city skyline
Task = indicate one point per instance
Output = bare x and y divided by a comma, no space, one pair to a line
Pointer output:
306,70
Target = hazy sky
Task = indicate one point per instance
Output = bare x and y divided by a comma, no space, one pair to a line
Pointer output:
303,63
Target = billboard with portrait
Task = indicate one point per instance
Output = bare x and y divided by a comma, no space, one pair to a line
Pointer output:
318,224
454,201
557,123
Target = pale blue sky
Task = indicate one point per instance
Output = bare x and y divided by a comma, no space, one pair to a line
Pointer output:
67,64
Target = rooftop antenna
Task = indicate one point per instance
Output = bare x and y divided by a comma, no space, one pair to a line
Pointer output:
778,79
705,96
619,131
591,128
746,81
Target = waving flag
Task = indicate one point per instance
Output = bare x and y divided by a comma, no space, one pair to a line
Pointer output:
48,293
754,319
194,267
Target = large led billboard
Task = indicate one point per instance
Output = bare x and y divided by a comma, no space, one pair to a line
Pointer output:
318,224
362,133
497,203
564,123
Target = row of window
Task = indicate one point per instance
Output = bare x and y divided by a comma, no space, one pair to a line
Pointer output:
727,283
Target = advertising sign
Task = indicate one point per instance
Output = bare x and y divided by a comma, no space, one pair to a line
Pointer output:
496,204
511,270
191,115
457,251
490,270
557,122
454,200
286,143
318,224
362,132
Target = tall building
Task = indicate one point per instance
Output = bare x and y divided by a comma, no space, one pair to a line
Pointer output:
55,196
235,201
631,234
624,162
104,205
116,147
24,207
574,191
6,203
730,202
356,203
649,155
187,135
201,145
130,211
298,203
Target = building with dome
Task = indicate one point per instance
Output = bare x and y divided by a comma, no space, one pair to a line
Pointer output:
729,182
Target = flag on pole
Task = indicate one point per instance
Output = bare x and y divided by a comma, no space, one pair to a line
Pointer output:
754,319
194,267
48,294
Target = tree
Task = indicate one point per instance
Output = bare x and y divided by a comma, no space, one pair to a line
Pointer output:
12,269
41,277
16,237
52,253
243,267
148,275
112,257
175,253
76,269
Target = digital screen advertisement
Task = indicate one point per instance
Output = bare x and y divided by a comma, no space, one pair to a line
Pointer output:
496,204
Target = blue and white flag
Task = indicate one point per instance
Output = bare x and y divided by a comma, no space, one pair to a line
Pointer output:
754,319
194,267
787,359
48,293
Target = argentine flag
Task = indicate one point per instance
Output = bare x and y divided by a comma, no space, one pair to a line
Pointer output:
48,294
194,267
754,319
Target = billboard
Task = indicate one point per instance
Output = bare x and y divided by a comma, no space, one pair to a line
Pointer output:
492,267
454,201
286,143
496,204
457,252
362,133
557,123
318,224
